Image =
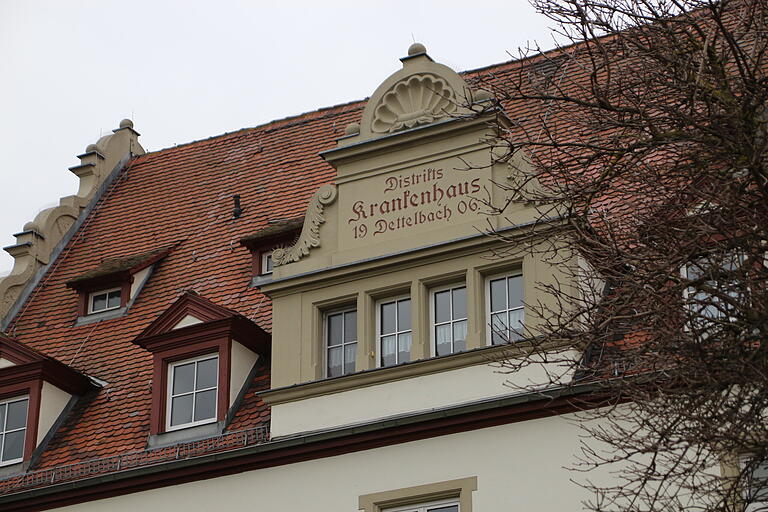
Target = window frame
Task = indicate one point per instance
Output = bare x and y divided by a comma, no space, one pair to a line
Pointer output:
425,506
433,317
3,432
487,305
326,348
107,291
378,334
265,257
169,391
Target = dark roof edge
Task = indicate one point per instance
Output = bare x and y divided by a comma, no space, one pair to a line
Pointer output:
59,248
320,444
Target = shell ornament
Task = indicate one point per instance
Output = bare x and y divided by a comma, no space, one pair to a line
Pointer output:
414,101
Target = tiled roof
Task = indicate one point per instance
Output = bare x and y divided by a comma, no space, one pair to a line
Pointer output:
180,196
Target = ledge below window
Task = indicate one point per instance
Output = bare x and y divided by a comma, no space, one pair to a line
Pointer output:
186,434
376,376
98,317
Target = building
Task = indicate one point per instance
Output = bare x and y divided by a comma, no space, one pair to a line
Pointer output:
295,316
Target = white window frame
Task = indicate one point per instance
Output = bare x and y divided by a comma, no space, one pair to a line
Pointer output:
688,291
326,347
266,256
101,292
3,431
433,316
378,305
169,393
425,506
488,313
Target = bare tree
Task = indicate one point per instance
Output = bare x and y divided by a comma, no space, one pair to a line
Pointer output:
646,139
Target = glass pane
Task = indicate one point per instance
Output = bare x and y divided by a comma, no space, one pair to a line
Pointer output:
267,263
443,339
404,348
334,361
350,351
443,306
114,300
388,349
17,415
334,329
14,445
205,405
459,345
516,324
388,324
207,373
183,378
2,418
350,326
498,295
447,508
181,410
498,328
459,303
99,302
515,292
460,331
404,315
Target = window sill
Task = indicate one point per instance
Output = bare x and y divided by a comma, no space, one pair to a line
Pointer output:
372,377
12,469
261,280
98,317
186,434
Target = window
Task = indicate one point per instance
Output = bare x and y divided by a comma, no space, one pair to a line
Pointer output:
104,300
394,331
756,492
449,320
435,506
505,308
340,343
713,290
13,429
192,393
266,263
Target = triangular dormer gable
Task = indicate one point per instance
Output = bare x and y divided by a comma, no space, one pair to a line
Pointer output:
189,309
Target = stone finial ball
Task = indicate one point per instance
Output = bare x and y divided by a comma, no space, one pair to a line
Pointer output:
352,129
126,123
416,48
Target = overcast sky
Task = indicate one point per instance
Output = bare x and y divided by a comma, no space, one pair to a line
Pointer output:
187,70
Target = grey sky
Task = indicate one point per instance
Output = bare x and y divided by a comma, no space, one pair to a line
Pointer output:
187,70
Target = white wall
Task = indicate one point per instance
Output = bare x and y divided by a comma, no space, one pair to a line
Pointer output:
241,363
52,402
518,468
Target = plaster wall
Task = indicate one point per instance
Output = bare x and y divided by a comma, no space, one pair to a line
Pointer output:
52,402
518,466
242,361
4,363
187,321
416,394
138,280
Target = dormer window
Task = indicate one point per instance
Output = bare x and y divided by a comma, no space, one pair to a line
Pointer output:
109,289
13,429
266,263
204,356
192,391
279,233
104,300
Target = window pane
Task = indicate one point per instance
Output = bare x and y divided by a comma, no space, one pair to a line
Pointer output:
459,303
2,418
498,328
205,405
17,415
498,295
515,291
388,324
14,445
334,329
207,373
443,339
404,315
350,326
388,349
350,351
459,345
448,508
334,361
183,378
181,410
460,331
443,306
99,302
516,324
113,300
404,348
267,264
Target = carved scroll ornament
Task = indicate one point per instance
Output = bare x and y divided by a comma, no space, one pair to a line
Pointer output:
310,232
